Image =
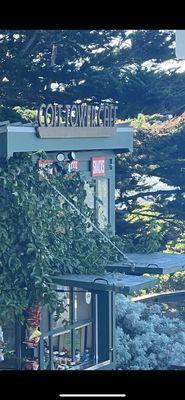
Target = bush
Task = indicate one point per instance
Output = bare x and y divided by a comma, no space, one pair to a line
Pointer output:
146,339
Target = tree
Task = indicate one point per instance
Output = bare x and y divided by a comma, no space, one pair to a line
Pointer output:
41,237
159,152
88,65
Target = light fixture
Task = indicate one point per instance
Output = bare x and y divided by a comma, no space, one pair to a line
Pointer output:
71,156
60,157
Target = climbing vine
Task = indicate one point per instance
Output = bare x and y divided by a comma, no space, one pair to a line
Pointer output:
41,236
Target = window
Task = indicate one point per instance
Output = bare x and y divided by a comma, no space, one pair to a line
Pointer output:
90,193
90,197
68,339
82,308
10,356
102,204
97,193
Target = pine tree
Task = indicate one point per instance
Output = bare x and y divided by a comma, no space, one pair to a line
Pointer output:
88,65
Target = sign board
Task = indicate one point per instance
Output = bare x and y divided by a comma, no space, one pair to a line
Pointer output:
81,115
98,166
180,44
44,163
74,165
45,132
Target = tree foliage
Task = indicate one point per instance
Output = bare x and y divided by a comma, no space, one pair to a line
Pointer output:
89,65
40,236
166,283
159,152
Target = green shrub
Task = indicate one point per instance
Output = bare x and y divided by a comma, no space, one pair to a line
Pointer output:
145,338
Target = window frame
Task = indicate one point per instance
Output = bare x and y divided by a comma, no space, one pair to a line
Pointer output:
71,327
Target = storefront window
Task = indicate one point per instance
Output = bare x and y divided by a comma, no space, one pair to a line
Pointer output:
83,340
70,346
62,343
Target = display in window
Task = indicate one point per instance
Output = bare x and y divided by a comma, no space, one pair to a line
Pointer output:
83,344
62,357
68,355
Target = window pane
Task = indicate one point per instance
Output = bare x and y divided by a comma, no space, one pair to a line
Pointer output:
82,304
90,194
102,206
45,320
83,339
90,198
84,352
62,343
62,351
46,353
9,354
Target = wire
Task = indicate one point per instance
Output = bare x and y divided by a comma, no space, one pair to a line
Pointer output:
92,224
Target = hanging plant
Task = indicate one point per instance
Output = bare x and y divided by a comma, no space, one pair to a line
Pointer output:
32,316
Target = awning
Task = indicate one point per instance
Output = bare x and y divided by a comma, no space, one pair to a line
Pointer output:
154,263
126,284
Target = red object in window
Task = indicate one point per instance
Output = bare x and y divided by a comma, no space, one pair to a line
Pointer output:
98,166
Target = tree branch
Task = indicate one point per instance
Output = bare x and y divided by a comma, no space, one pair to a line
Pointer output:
159,216
29,43
156,192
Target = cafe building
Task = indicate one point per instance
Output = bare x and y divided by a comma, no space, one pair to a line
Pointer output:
83,337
